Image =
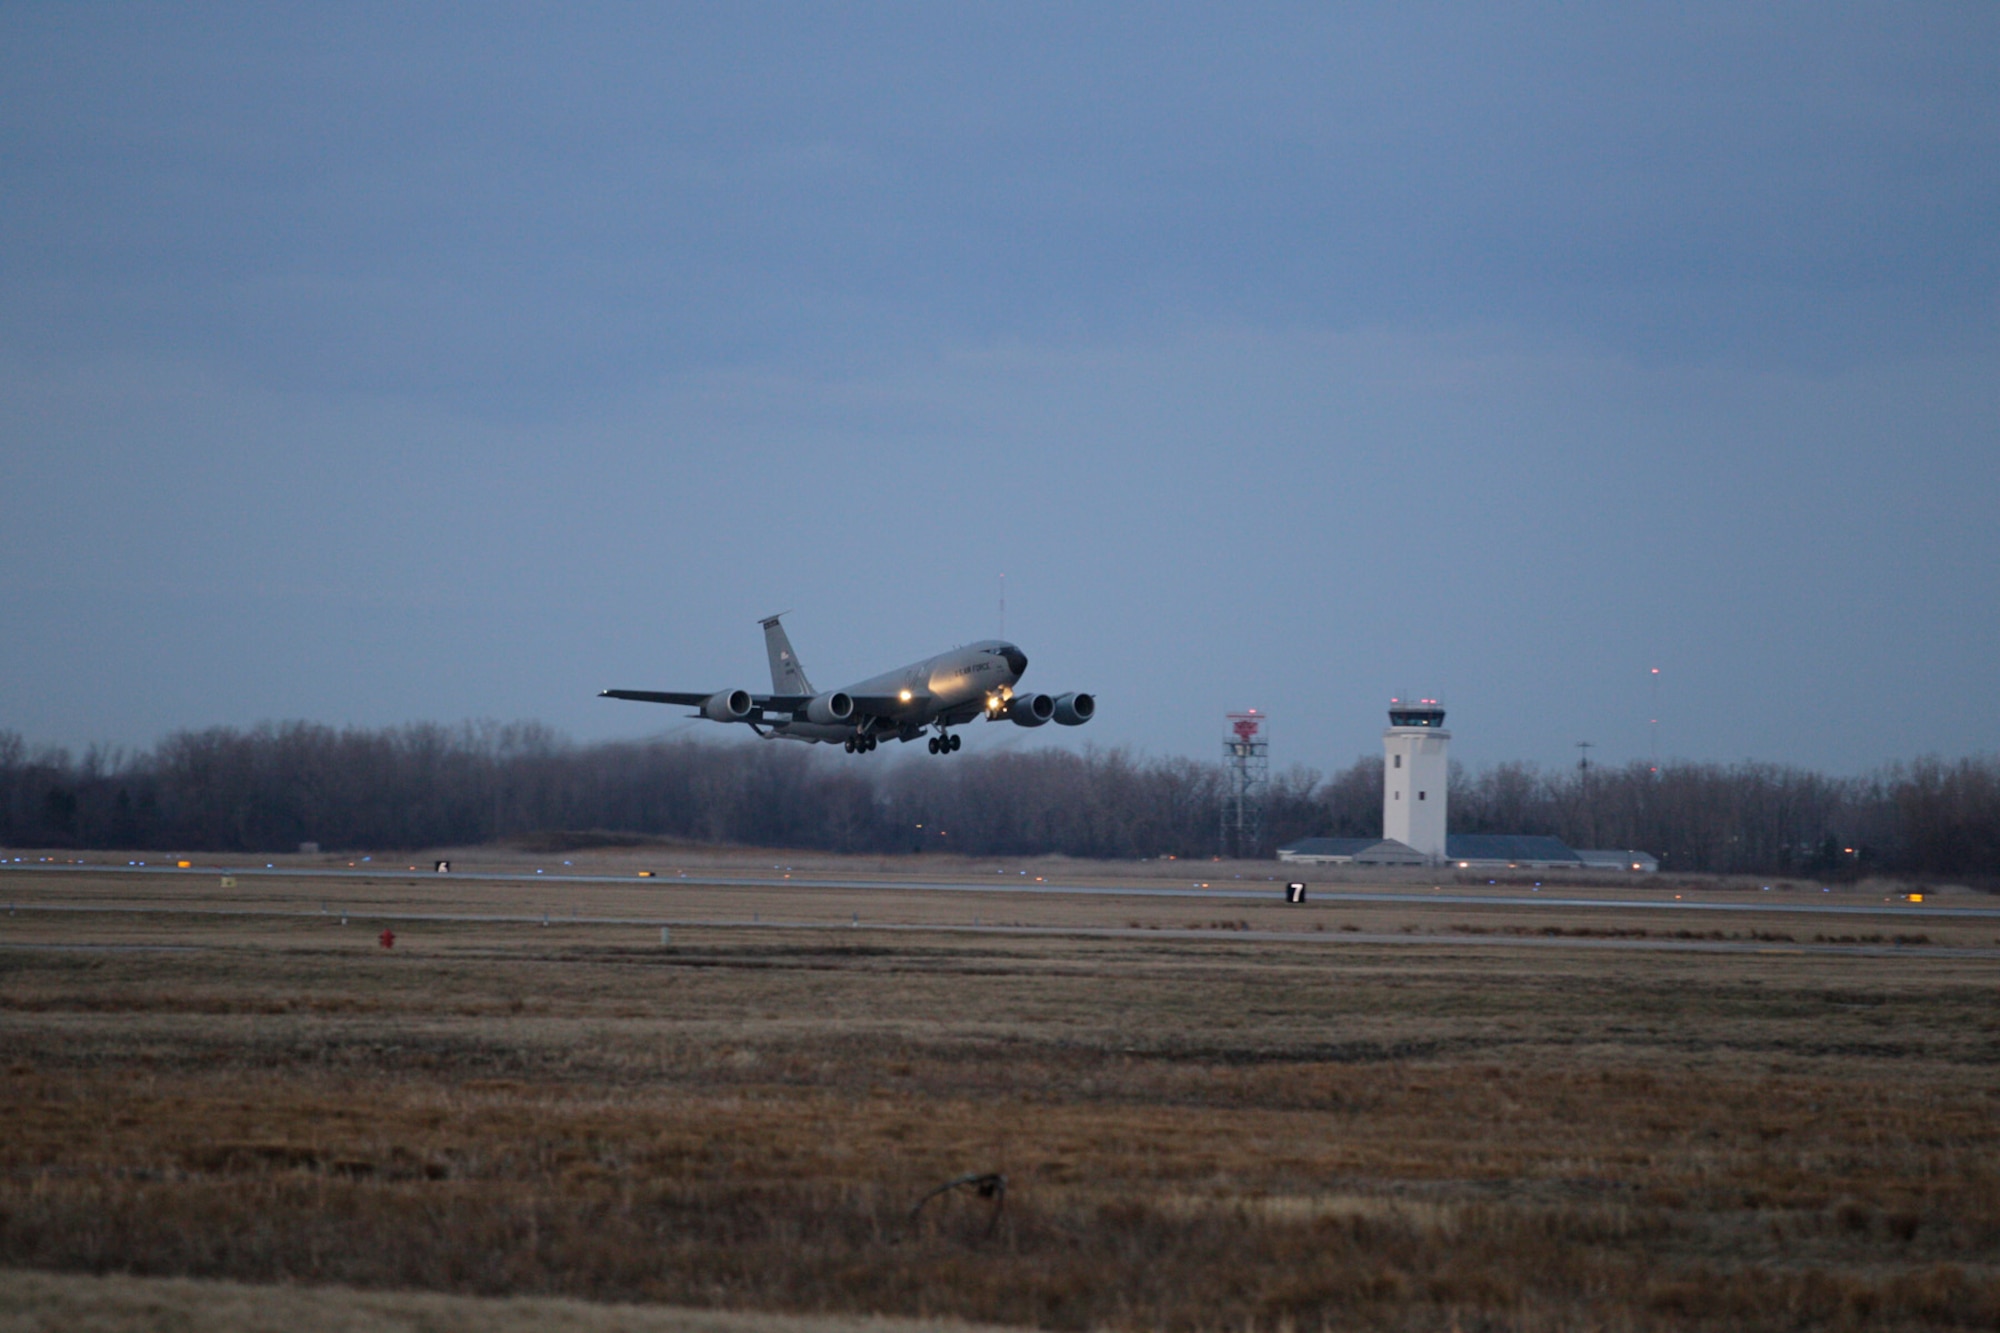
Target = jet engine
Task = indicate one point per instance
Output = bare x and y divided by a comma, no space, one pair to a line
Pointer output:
726,706
1030,710
1073,710
833,706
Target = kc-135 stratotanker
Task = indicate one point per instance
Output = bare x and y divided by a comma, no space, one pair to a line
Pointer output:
933,695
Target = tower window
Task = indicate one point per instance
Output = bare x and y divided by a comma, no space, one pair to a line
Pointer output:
1399,761
1421,795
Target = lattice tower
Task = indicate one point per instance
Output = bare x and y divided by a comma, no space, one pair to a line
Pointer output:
1246,771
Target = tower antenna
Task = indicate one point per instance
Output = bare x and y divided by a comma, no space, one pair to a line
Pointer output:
1003,606
1583,761
1656,719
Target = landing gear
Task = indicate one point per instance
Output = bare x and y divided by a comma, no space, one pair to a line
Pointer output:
946,744
860,744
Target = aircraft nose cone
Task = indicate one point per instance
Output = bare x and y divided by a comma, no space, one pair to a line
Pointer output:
1017,661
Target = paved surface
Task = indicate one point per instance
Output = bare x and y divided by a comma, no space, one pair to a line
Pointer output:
1016,885
1214,936
692,904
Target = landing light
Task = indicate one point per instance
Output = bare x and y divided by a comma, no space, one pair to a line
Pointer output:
904,696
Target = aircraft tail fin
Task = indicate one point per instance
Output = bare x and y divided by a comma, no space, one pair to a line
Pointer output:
787,676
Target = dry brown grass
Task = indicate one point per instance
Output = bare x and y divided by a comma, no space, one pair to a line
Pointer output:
1204,1133
69,1303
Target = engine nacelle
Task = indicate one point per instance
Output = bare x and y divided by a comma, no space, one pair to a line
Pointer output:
726,706
1073,710
833,706
1030,710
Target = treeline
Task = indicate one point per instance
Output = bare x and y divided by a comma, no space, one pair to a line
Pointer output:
1929,817
275,786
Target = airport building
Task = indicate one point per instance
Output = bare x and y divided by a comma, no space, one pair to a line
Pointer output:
1415,797
1414,769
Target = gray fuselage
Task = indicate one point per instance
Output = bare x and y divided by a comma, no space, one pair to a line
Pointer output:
934,695
949,688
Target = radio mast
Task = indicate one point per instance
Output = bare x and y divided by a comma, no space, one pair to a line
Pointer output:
1246,770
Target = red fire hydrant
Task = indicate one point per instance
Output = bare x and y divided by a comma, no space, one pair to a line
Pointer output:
388,939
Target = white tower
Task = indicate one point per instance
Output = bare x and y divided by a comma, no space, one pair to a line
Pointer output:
1414,767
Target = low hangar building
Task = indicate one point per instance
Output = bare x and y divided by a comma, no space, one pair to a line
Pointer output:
1469,851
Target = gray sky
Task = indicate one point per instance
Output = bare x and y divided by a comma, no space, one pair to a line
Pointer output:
368,365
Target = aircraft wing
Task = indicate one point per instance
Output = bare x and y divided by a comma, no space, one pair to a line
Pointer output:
773,703
781,703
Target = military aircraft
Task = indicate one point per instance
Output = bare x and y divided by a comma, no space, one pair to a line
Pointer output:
933,695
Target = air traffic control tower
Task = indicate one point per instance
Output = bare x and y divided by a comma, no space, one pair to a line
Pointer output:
1414,768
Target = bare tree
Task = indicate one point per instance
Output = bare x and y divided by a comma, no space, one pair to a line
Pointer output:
277,784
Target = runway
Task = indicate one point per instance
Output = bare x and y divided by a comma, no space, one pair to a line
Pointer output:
1220,935
1015,886
1129,933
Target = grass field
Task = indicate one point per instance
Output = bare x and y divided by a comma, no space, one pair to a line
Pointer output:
1445,1116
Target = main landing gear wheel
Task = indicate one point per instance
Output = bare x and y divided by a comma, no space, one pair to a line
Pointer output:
934,745
860,744
946,744
954,742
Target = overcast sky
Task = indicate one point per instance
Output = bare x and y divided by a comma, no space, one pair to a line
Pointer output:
376,364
